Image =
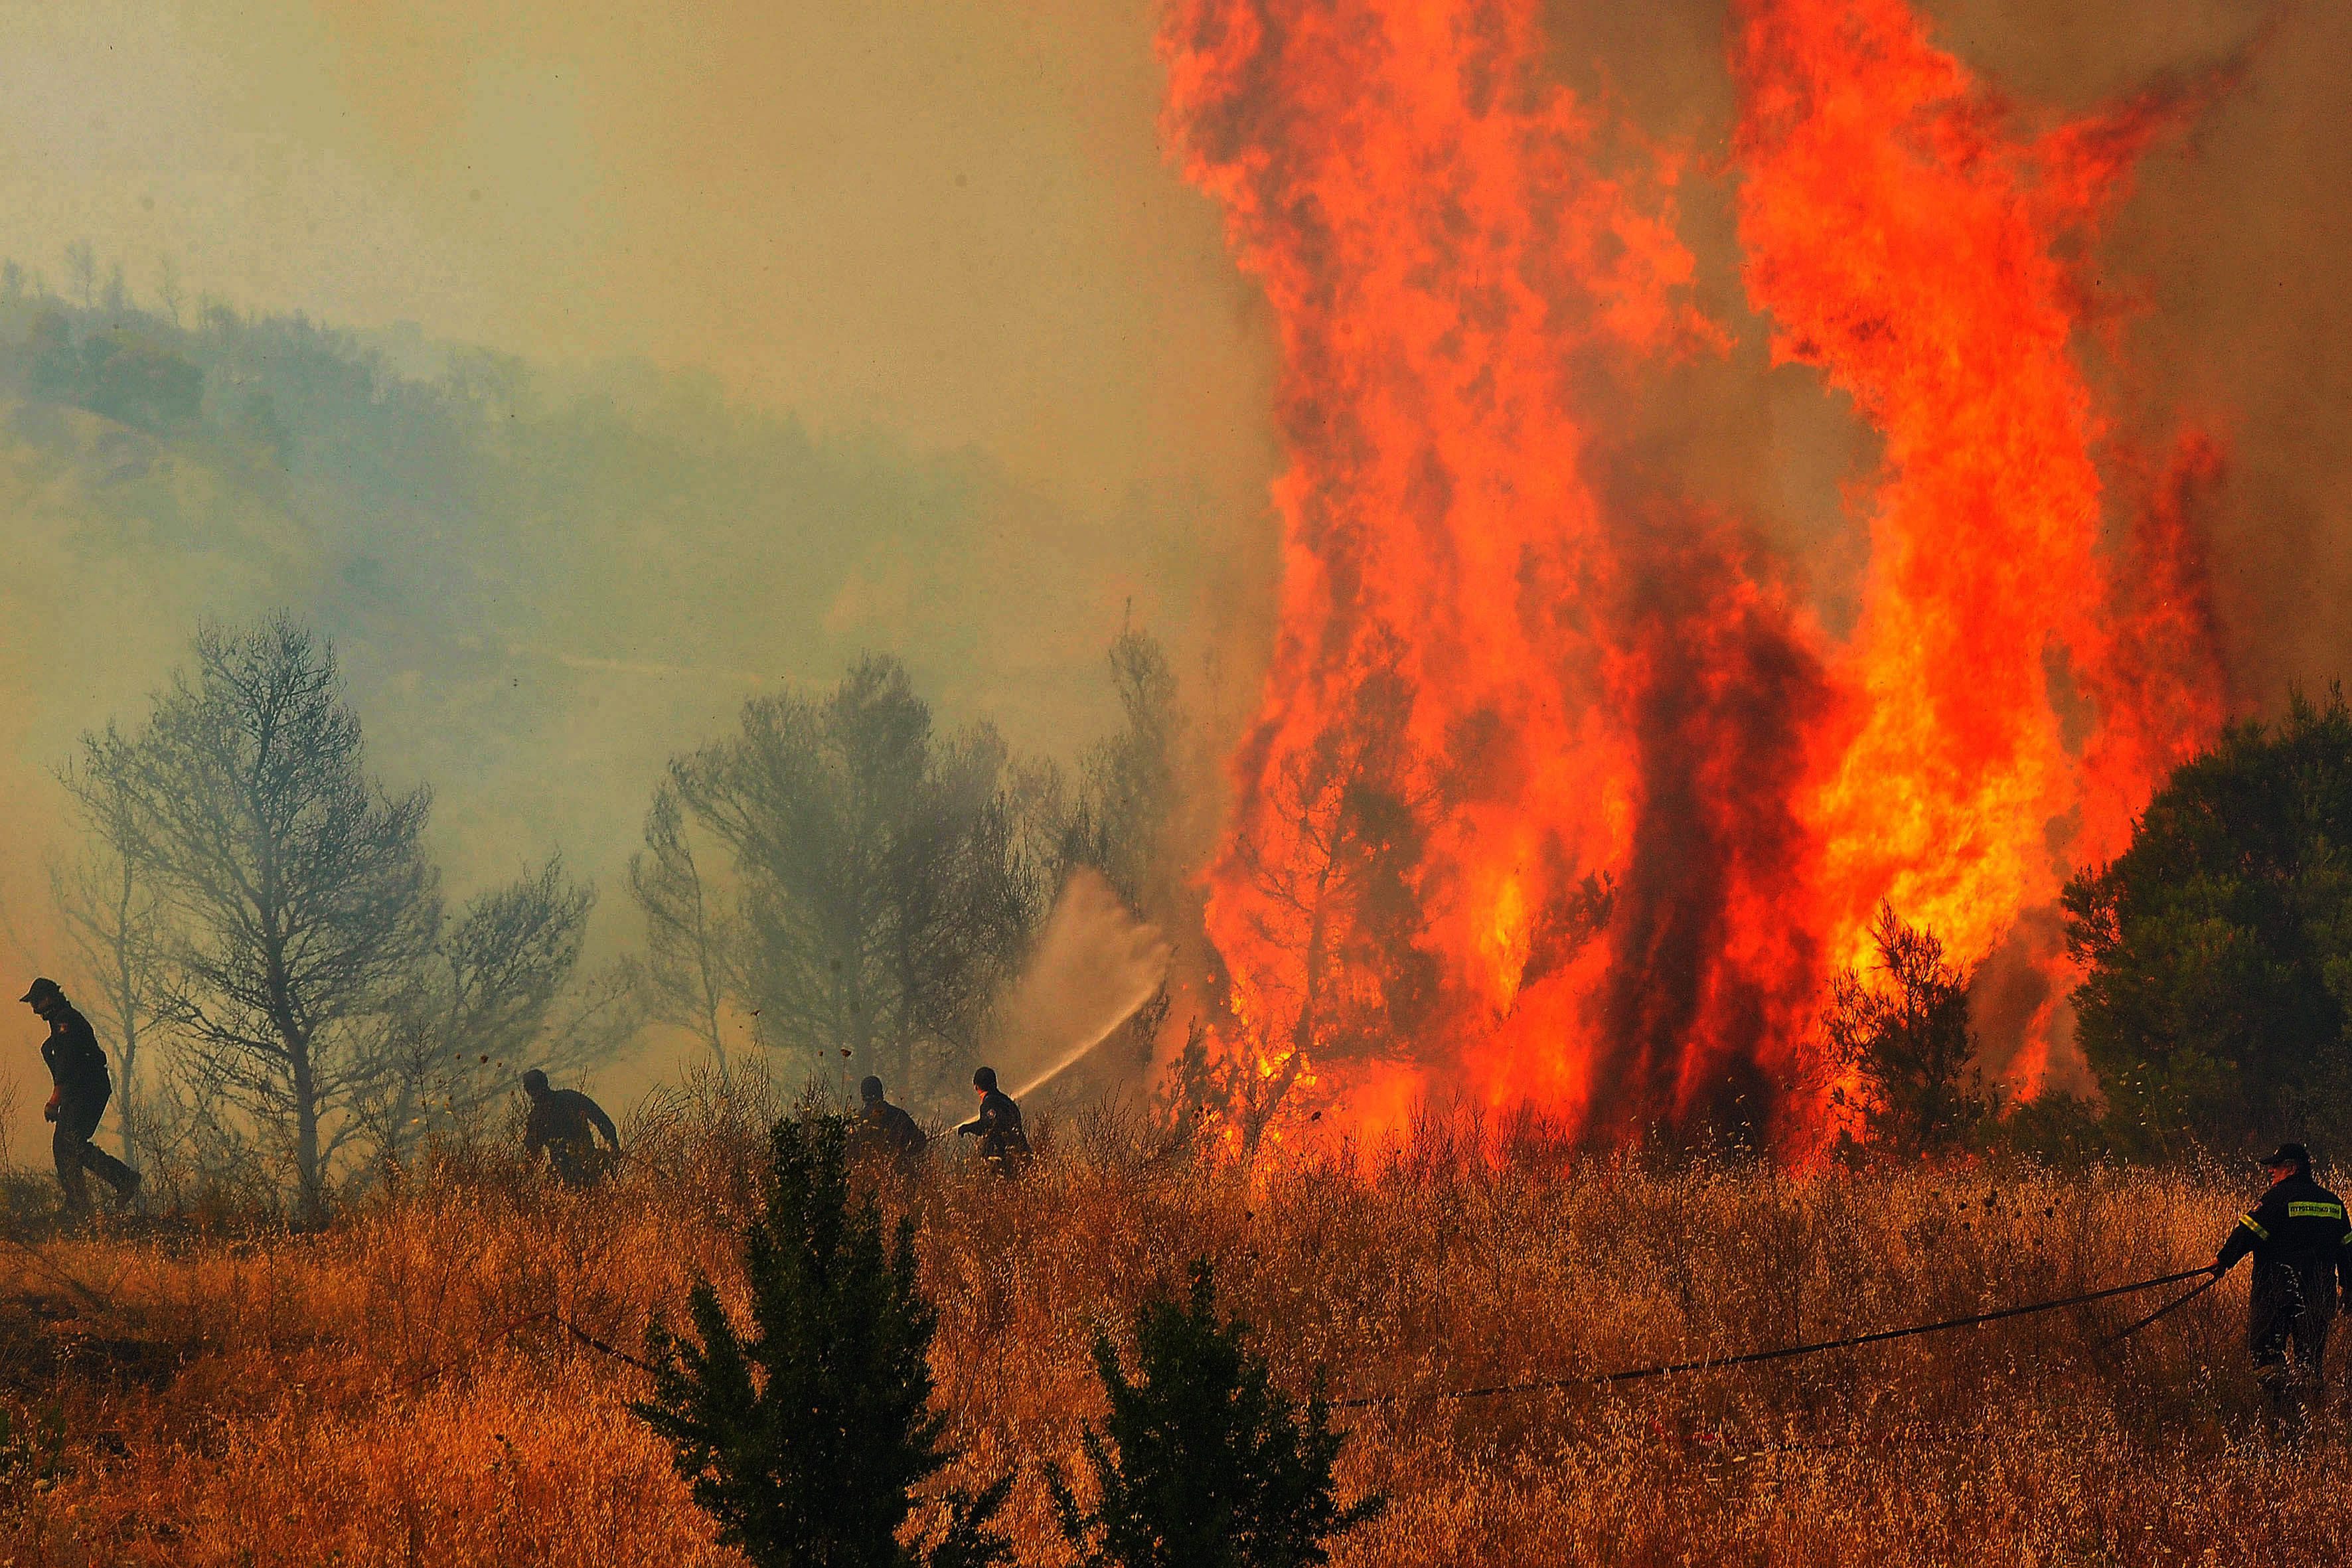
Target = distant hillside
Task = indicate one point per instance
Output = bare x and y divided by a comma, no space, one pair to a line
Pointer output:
541,587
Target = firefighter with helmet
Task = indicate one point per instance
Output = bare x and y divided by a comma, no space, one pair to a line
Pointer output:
2302,1246
1003,1144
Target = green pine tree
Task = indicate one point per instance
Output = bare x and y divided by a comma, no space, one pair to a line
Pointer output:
2215,1002
1207,1464
807,1436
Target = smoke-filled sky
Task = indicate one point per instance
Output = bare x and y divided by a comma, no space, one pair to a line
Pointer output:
934,243
947,218
951,220
924,304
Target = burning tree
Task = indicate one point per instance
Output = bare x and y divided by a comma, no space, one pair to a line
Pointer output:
1477,281
1902,1035
1331,856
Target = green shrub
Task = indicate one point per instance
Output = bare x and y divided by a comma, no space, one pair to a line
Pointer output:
1207,1464
806,1437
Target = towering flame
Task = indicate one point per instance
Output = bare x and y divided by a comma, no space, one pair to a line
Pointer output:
1906,242
1556,794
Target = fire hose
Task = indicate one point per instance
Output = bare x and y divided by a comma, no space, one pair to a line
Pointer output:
1784,1353
2206,1276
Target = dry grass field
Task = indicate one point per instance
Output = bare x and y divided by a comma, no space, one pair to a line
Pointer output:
205,1392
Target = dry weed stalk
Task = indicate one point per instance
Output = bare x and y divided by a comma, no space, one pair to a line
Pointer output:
390,1391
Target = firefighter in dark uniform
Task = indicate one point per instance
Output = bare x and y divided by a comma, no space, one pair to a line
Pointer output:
2301,1246
998,1126
560,1122
77,1067
884,1133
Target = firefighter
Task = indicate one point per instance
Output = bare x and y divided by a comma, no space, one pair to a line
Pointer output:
885,1134
78,1068
2301,1246
998,1126
560,1122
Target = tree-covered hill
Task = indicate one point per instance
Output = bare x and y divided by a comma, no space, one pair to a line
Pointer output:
542,583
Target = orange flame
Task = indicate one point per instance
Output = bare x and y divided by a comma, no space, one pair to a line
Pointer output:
1904,240
1554,795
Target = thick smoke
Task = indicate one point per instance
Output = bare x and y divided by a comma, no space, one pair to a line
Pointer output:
989,339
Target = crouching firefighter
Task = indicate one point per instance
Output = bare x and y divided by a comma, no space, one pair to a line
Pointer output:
998,1126
884,1135
2301,1246
565,1122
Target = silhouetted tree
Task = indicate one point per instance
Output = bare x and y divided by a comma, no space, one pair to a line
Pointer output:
2217,949
685,939
1906,1033
1202,1462
806,1432
1127,782
168,291
300,901
488,1002
81,272
881,895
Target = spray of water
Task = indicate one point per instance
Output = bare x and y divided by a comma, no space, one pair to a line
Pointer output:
1096,963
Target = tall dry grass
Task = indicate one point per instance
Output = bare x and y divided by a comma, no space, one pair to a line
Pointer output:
390,1390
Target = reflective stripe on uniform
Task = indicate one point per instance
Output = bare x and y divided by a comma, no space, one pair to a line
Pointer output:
2314,1210
2347,1239
2248,1221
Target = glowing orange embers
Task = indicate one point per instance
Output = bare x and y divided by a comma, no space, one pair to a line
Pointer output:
1554,795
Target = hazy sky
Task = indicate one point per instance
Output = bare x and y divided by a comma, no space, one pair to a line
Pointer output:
952,220
948,225
949,217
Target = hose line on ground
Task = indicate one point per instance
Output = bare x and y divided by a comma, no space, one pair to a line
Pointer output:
2207,1276
1708,1364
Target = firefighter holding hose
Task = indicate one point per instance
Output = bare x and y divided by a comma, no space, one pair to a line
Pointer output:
2302,1246
1003,1144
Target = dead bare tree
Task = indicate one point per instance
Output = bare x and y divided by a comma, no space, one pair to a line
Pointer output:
301,900
81,267
686,942
491,1000
168,291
